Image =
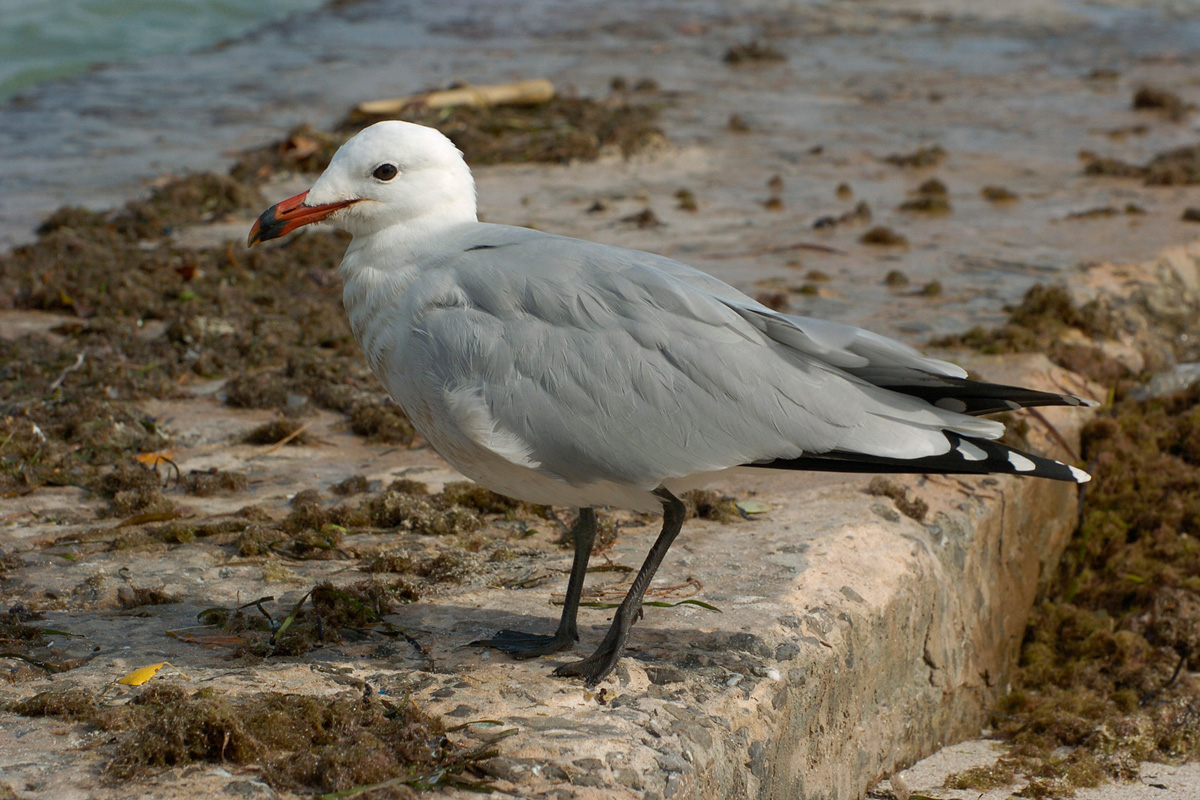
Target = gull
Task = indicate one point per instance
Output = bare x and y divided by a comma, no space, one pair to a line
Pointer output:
564,372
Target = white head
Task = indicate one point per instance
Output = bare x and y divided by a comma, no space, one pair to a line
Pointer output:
390,174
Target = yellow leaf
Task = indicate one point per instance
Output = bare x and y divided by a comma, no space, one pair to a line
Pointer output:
143,674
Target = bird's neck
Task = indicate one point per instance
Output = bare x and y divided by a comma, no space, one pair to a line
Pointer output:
379,269
390,254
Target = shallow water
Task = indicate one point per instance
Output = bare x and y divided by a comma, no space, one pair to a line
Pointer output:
41,40
1003,89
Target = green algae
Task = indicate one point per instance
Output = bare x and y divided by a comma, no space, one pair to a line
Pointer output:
1039,324
911,507
1044,313
753,52
711,505
920,158
1105,677
883,236
1105,672
559,131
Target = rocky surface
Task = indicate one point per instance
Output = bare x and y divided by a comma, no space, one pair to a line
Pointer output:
851,640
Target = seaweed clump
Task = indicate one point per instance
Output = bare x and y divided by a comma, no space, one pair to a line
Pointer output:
918,159
327,615
752,53
707,504
140,316
344,385
14,627
558,131
1106,678
283,430
1038,324
883,236
1177,167
1165,102
132,488
305,149
473,496
205,483
1000,195
406,510
931,197
301,743
913,508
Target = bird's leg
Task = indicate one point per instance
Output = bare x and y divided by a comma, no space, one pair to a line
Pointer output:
519,644
593,668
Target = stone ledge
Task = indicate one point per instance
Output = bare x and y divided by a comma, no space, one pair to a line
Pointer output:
852,642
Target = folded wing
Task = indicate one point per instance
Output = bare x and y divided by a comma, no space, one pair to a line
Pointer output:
611,364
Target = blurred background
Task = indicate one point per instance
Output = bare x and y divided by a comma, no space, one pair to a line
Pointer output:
103,97
42,40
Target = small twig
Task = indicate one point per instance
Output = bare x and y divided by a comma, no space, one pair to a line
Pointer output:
667,591
285,440
62,376
1174,677
258,604
417,646
1053,431
161,459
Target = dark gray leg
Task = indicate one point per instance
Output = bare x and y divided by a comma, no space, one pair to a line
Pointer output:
529,645
593,668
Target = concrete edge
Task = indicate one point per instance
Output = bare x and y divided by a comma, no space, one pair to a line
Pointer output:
853,640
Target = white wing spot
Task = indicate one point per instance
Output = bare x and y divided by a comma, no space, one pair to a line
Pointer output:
1079,475
1013,406
1021,463
970,452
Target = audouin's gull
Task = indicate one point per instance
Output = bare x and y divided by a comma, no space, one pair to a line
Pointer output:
569,373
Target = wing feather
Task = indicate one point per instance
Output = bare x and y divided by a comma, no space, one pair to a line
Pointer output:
594,363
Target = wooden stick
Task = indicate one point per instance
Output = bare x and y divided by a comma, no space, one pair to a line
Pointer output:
518,93
284,440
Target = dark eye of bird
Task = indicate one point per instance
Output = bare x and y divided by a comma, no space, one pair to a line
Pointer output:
385,172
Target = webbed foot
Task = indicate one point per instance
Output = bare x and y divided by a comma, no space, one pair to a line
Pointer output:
520,644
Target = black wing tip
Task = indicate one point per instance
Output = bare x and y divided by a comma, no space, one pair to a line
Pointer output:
1029,464
966,456
977,398
1073,400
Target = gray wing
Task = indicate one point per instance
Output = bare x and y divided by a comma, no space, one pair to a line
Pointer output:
846,346
596,363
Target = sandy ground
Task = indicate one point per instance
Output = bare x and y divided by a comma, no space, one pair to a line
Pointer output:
1012,93
927,777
